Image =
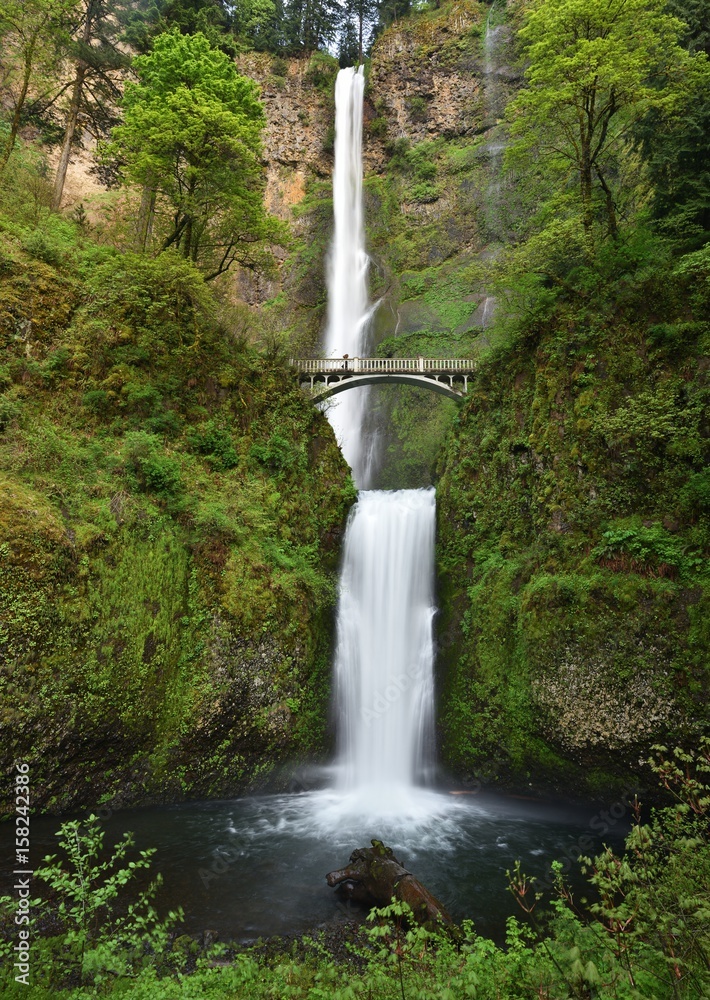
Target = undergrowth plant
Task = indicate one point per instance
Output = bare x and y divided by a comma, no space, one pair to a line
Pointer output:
646,931
98,929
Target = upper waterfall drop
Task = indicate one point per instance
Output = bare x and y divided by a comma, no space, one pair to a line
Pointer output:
348,305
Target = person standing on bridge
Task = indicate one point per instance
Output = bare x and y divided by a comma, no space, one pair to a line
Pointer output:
345,361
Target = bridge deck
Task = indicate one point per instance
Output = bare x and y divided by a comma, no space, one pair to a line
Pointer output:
327,366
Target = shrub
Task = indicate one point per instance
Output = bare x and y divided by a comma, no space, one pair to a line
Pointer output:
279,66
152,470
696,492
277,454
215,443
321,71
418,108
398,152
55,365
55,242
424,192
10,408
164,301
96,400
102,934
653,551
647,932
142,399
38,245
329,140
378,127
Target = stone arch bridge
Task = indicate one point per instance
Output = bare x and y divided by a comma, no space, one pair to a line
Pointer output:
329,376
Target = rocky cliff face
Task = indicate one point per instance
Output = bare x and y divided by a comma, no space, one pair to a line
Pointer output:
425,80
299,131
437,83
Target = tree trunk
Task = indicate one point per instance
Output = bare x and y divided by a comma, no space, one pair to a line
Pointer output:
19,105
187,240
69,131
585,172
73,116
610,207
146,213
373,875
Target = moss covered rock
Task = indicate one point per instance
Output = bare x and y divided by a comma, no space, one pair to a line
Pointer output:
170,513
574,533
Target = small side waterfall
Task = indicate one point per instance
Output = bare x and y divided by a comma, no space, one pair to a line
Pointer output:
348,309
385,649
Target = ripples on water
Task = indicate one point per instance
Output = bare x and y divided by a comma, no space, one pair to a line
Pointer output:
254,867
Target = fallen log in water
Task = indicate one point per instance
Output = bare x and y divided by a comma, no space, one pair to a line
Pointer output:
373,875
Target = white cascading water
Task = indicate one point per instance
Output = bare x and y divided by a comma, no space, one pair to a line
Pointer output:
348,308
384,651
385,648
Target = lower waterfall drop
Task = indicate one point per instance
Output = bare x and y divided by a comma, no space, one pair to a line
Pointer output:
385,650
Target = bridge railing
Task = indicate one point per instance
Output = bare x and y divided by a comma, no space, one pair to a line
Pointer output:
321,366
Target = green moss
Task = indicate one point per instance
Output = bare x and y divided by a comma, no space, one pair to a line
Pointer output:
170,511
573,553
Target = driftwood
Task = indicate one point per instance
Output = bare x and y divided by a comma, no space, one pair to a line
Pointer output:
374,876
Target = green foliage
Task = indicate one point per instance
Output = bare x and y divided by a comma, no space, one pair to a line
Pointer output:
418,108
587,84
102,934
277,454
377,127
697,266
192,134
34,34
642,933
168,569
419,161
659,416
573,495
424,192
41,247
151,469
675,147
215,443
321,71
648,932
10,408
651,550
279,66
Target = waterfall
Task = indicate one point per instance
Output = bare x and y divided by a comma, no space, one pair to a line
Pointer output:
348,308
385,650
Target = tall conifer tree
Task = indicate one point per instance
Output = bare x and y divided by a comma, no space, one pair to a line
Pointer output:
94,92
32,33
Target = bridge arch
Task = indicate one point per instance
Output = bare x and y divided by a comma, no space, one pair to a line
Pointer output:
329,376
332,388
